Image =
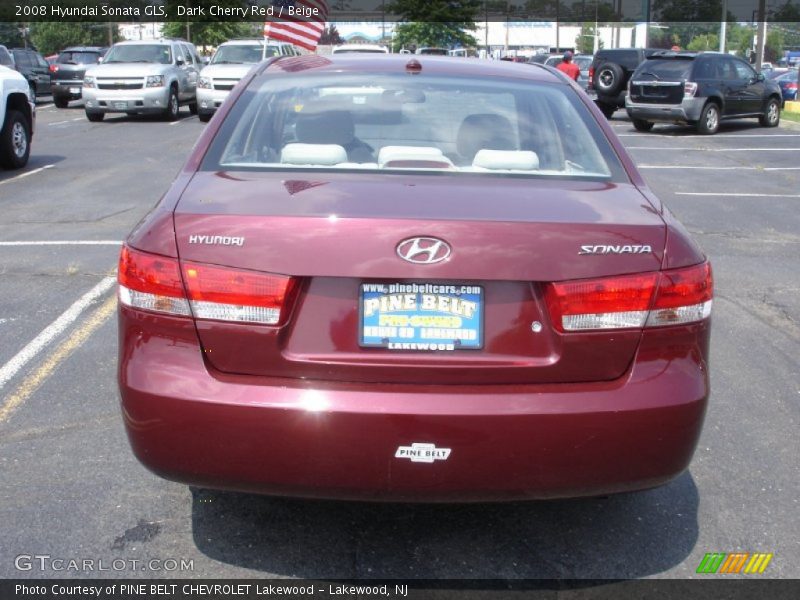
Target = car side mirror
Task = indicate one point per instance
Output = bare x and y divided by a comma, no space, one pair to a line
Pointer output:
180,62
760,77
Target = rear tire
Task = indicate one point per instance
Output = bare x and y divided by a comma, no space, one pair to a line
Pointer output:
193,108
60,101
95,117
15,141
205,117
772,114
709,119
609,79
608,110
642,125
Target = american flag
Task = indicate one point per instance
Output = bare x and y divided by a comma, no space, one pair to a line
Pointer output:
298,30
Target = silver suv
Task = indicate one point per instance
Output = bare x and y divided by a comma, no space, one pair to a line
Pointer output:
143,77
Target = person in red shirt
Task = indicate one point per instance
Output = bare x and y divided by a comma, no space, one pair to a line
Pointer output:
569,67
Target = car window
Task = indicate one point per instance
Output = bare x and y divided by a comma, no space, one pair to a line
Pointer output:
22,59
139,53
40,61
743,71
583,62
5,58
78,58
436,123
241,54
705,69
666,69
727,69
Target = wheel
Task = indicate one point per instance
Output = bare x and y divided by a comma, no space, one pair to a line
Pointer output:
709,119
205,117
60,101
642,125
193,108
772,114
608,110
95,117
15,141
609,79
173,106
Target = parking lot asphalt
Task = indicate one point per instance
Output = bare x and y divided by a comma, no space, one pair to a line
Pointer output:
73,490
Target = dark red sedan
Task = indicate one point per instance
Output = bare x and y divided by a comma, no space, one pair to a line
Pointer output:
412,278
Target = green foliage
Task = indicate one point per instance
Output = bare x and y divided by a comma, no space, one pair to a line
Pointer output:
438,23
773,49
703,43
10,35
330,37
584,43
50,38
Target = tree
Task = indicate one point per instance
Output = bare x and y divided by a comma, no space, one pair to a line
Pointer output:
584,43
50,38
703,43
10,35
330,37
439,23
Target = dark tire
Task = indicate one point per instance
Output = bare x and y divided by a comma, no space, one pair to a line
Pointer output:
709,119
173,106
609,79
608,110
772,113
205,117
60,101
193,108
642,125
95,117
15,141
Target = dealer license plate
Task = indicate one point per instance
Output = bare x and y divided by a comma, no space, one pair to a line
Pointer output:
120,105
75,90
421,316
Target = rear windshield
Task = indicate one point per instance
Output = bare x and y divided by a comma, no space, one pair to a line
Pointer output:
78,58
139,53
241,54
666,69
423,123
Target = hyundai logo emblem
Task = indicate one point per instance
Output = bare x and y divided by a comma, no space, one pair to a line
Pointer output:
423,250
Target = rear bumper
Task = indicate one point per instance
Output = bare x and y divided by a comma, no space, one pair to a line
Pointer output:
68,89
315,439
688,111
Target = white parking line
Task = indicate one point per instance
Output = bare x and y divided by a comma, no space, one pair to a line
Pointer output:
59,122
737,195
713,149
63,243
49,333
718,168
43,106
21,175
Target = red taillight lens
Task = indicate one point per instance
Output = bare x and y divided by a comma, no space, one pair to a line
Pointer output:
608,303
791,86
229,294
671,297
591,78
53,68
151,282
154,283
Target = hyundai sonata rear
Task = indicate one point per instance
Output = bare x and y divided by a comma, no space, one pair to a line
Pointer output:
422,280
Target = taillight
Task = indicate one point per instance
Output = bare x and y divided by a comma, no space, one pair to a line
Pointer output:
673,297
226,294
791,86
54,68
151,282
155,283
591,78
689,89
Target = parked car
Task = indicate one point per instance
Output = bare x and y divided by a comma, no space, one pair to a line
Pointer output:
34,68
700,89
155,77
359,49
788,85
358,287
432,51
584,61
609,73
69,69
230,63
5,58
18,114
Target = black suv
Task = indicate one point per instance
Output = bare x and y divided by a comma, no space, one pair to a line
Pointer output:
35,69
700,89
609,74
69,69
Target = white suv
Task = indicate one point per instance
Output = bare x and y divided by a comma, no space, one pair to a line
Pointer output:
17,118
230,63
143,77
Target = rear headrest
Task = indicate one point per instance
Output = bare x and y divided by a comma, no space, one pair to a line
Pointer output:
484,131
512,160
313,154
325,127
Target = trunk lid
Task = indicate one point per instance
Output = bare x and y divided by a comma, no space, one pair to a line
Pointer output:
337,231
